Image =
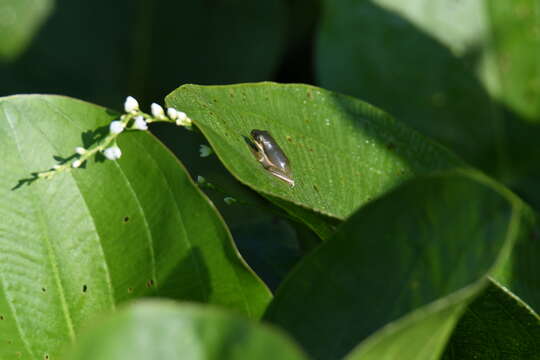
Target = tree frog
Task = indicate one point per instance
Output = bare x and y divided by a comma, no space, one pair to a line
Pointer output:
270,155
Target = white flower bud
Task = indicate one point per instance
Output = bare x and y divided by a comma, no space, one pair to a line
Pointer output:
112,153
116,127
205,150
180,115
76,164
172,113
183,120
200,180
157,111
140,123
131,104
229,200
80,150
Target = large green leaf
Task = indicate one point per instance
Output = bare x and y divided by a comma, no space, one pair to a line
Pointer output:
86,240
466,73
497,325
343,152
165,330
19,22
408,263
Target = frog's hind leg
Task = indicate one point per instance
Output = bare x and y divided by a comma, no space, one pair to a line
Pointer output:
281,176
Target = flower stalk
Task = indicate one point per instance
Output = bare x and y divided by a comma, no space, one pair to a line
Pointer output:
133,119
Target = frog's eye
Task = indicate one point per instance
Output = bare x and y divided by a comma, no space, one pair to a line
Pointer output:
258,135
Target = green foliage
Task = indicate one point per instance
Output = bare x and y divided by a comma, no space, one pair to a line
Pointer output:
334,143
396,255
462,72
19,20
184,331
497,325
85,240
411,231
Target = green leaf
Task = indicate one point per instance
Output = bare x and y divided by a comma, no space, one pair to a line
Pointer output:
165,330
399,272
80,243
343,152
515,44
19,22
270,247
465,73
497,325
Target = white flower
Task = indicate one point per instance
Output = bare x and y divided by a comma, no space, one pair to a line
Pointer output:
140,123
112,153
116,127
205,150
80,150
157,111
76,164
131,104
229,200
200,180
173,113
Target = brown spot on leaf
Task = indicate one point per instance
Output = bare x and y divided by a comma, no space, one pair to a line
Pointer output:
150,283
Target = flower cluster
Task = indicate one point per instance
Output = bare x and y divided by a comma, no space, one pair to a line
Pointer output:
133,119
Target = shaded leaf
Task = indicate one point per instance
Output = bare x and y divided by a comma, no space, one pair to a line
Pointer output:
270,247
406,265
80,243
411,61
497,325
19,22
163,330
516,40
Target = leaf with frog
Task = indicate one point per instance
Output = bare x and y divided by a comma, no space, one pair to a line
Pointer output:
342,152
